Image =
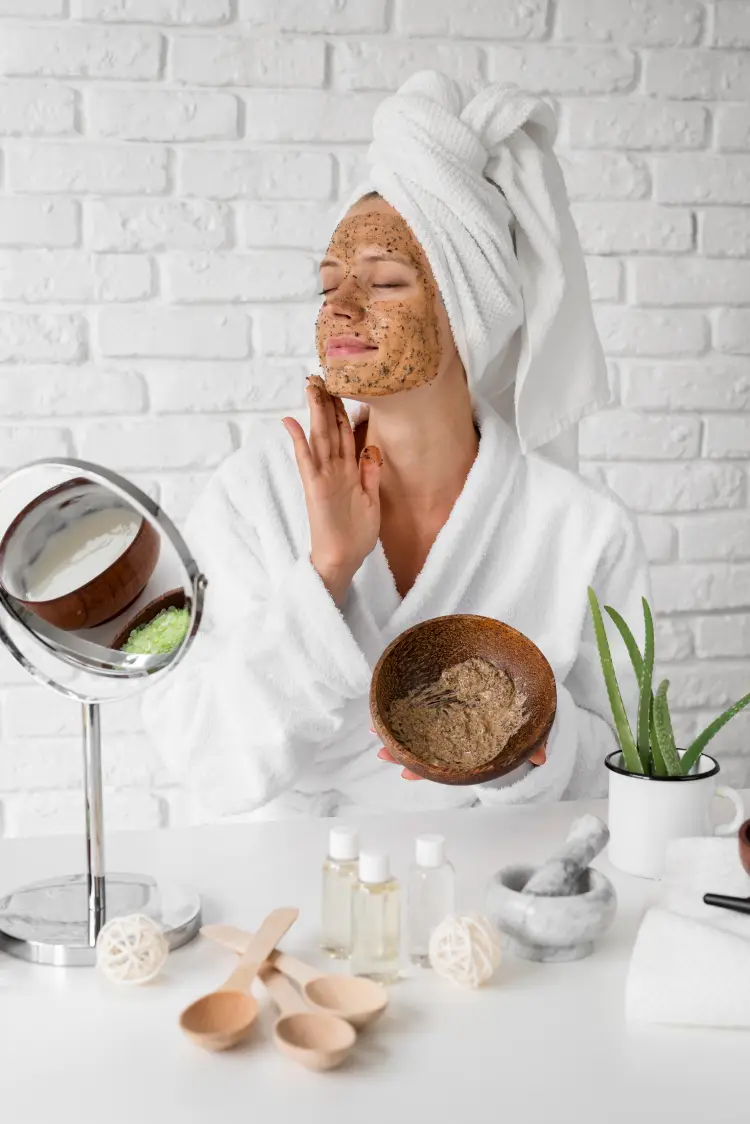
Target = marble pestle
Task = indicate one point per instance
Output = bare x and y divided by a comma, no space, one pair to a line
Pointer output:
560,875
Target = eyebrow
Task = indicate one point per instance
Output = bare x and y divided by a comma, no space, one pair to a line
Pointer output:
375,255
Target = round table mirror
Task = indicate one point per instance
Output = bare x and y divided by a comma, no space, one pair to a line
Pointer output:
99,598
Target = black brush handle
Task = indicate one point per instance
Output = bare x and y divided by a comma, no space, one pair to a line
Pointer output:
740,905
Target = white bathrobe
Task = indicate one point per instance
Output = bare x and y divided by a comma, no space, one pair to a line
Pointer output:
268,713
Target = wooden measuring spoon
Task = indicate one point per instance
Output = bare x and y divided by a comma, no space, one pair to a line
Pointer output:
353,998
223,1018
311,1038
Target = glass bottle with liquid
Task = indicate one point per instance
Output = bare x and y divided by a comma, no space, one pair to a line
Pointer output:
339,878
376,920
431,895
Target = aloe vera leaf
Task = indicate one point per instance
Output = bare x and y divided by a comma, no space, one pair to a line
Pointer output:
664,734
644,702
633,650
660,769
627,744
637,661
695,749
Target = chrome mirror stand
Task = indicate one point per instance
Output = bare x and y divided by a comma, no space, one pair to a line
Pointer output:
57,921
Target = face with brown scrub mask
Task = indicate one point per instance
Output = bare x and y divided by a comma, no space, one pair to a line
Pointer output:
382,327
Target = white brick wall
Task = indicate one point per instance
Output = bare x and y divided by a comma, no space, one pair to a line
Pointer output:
170,168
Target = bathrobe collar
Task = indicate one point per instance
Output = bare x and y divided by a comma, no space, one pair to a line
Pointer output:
452,560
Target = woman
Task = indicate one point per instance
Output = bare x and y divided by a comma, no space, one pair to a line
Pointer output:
321,549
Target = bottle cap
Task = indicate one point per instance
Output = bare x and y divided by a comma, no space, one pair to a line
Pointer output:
373,867
430,850
343,843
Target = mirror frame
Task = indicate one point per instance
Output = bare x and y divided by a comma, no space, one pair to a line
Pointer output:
72,649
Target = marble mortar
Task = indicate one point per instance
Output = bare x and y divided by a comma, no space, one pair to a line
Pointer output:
549,928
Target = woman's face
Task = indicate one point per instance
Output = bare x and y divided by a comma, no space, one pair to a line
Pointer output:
382,327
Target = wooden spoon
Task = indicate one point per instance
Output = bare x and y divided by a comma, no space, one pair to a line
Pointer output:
359,1001
311,1038
223,1018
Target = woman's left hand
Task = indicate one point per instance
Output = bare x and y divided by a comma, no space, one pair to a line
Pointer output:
537,758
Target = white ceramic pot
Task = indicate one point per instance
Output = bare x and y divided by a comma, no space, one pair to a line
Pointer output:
647,813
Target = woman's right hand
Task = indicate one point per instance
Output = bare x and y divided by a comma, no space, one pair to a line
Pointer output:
342,495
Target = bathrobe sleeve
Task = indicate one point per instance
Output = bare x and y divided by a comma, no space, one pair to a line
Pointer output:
264,683
583,733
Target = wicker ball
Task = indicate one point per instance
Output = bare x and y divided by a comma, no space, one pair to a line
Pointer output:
465,949
132,949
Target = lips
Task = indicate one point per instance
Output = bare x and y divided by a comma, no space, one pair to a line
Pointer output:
339,346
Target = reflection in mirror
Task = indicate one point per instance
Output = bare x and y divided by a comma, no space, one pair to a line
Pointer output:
76,555
94,580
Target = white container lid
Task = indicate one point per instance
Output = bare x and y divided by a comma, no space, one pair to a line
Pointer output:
430,850
343,843
374,868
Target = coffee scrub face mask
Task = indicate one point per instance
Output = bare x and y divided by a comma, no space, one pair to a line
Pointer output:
378,330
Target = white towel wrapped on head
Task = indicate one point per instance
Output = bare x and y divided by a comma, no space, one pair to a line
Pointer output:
468,174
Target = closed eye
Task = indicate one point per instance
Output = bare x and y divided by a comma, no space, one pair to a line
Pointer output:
382,285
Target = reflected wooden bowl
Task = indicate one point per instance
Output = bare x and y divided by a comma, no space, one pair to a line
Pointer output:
173,599
104,596
744,839
419,655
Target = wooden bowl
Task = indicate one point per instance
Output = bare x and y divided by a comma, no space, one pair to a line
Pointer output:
174,599
104,596
744,837
419,655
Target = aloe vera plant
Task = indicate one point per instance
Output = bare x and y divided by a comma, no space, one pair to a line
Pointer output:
652,750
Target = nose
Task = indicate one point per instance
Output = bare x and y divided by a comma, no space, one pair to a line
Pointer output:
346,301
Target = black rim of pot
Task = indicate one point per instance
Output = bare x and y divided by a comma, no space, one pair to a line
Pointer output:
609,762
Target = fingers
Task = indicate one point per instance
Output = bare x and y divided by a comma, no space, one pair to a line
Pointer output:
331,433
346,433
302,453
329,409
320,444
540,757
324,428
370,464
333,425
407,774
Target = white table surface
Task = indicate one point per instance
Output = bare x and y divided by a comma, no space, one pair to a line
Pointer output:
543,1042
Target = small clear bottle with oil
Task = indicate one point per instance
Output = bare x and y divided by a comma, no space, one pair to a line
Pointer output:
431,895
376,920
339,878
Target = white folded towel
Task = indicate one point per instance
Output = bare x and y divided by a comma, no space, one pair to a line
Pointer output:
691,961
468,174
